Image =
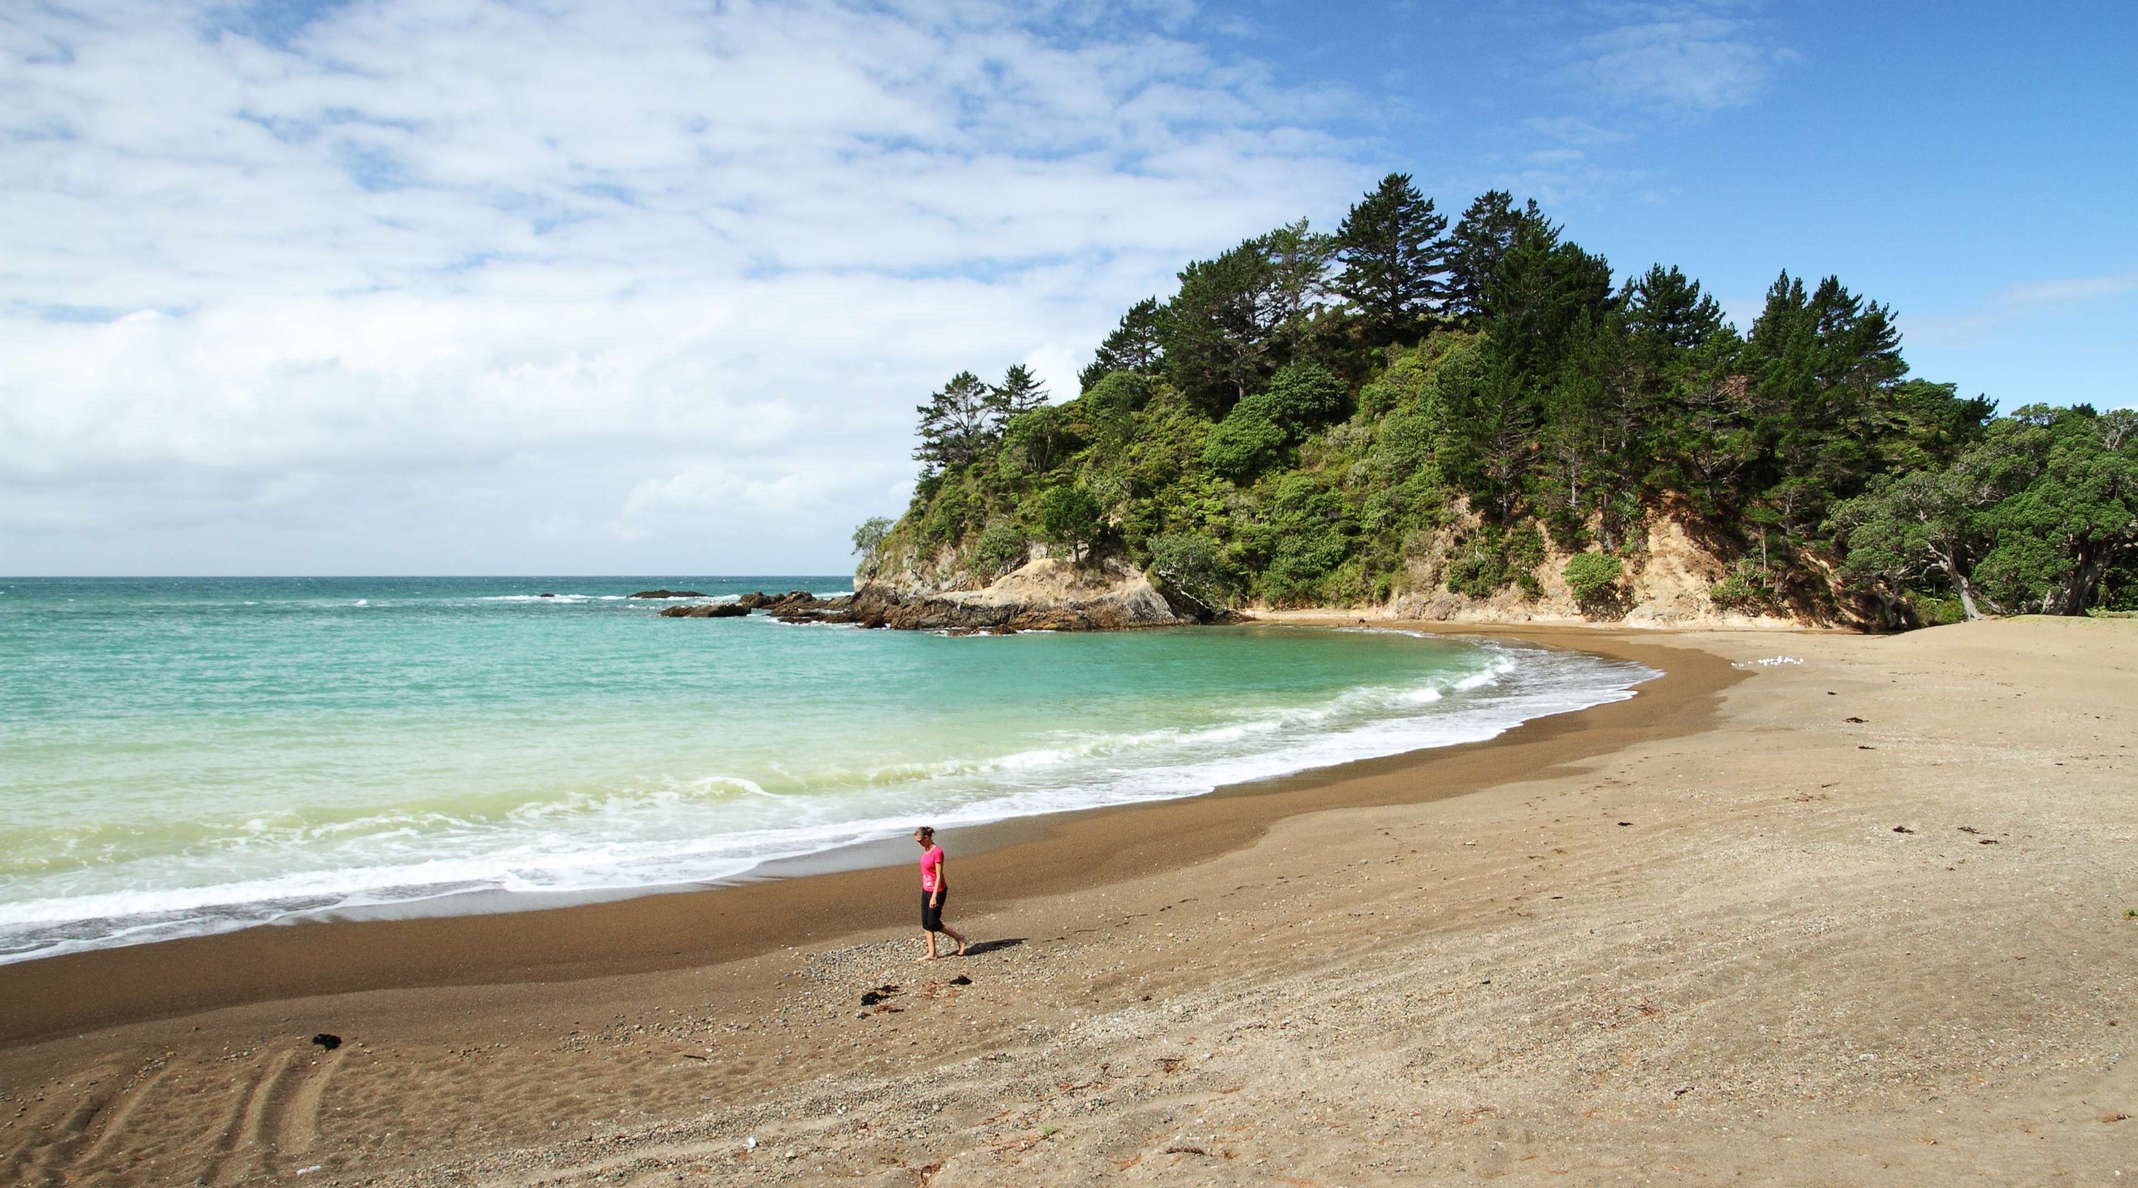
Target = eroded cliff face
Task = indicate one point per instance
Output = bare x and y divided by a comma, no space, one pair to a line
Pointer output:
1669,581
1671,578
1043,594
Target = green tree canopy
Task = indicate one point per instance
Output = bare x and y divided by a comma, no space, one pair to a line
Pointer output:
1480,240
956,424
1135,345
1237,316
1072,519
1018,393
1392,259
869,534
2030,518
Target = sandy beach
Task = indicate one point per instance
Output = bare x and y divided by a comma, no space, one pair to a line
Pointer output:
1811,908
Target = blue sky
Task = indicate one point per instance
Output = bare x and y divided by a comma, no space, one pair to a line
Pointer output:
454,286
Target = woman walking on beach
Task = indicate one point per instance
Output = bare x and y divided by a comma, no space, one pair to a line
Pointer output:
934,887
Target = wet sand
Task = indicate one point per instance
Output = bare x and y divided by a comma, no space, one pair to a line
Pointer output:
1853,918
681,930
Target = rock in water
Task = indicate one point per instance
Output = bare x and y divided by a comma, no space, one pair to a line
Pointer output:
1045,594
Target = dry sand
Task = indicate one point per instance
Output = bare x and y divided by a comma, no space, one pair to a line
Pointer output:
1860,918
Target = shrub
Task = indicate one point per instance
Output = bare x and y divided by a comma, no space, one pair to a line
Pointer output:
1188,562
1748,590
1524,552
1302,395
1593,577
1302,560
1934,611
945,521
1071,518
1001,548
1477,569
1244,442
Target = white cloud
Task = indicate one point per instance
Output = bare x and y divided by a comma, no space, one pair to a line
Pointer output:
1694,57
1576,132
2081,306
2069,289
451,260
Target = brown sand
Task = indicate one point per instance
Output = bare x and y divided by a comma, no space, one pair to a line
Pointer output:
1860,918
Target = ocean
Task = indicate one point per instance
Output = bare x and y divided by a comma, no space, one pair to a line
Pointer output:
181,756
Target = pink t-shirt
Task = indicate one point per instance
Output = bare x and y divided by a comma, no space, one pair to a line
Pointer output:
931,867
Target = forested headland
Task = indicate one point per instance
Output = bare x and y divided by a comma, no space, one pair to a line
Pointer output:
1414,408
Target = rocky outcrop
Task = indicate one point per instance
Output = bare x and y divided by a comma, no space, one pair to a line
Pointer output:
1047,594
779,604
706,610
668,594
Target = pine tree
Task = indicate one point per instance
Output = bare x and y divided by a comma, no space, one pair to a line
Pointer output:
1017,394
1238,316
1673,333
1133,346
1826,364
956,424
1487,232
1666,313
1393,259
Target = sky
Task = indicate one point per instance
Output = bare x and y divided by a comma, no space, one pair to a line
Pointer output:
550,287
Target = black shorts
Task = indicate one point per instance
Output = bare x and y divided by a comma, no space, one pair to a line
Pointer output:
932,916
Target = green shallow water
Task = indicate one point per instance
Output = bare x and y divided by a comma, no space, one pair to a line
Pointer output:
188,755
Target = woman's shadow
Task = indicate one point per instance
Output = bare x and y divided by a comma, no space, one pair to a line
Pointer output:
988,946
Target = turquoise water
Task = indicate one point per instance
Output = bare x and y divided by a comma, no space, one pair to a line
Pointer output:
180,756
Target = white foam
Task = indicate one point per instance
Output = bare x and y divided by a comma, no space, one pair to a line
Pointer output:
720,826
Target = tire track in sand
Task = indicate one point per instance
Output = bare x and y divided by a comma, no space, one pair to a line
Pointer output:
112,1125
242,1128
274,1120
85,1131
297,1124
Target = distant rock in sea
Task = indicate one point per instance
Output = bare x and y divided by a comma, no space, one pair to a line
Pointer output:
669,594
706,610
1045,594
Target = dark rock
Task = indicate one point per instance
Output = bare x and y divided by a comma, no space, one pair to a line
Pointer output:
961,980
668,594
922,612
870,998
1854,721
706,610
327,1040
545,595
1902,829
